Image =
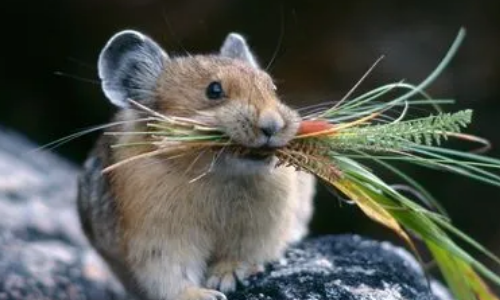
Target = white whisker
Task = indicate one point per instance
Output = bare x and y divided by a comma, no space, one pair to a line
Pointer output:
66,139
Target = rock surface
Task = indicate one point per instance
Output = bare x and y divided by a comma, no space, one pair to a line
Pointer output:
346,267
43,254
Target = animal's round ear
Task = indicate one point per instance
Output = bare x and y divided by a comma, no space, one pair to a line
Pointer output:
235,46
129,67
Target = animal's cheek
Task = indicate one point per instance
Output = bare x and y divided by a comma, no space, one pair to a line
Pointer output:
292,121
207,118
243,133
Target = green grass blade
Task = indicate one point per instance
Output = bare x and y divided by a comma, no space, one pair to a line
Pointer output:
459,167
452,273
430,200
412,216
413,90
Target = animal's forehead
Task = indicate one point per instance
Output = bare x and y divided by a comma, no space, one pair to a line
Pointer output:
241,68
231,67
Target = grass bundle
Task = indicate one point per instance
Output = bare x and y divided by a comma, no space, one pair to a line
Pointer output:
333,142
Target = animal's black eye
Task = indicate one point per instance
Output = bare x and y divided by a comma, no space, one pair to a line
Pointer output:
214,90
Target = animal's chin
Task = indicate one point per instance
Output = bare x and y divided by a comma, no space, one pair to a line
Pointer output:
256,161
249,162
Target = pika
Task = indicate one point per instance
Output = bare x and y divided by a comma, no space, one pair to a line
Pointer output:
164,235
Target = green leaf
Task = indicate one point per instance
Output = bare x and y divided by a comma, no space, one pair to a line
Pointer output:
455,263
399,136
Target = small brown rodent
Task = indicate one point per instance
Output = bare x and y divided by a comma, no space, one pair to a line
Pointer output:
165,235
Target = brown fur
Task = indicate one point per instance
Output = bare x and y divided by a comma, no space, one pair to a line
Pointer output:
176,235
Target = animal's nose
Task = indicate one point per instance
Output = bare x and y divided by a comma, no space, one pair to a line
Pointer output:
270,123
270,130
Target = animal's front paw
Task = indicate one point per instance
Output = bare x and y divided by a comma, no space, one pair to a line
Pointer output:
224,276
196,293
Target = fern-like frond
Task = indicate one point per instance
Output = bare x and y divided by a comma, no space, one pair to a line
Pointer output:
402,135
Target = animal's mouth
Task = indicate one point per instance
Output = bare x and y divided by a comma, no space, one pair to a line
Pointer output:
257,154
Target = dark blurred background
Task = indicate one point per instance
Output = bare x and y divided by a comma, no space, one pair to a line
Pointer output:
49,86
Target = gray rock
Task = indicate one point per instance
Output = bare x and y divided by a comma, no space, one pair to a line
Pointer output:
43,254
342,267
